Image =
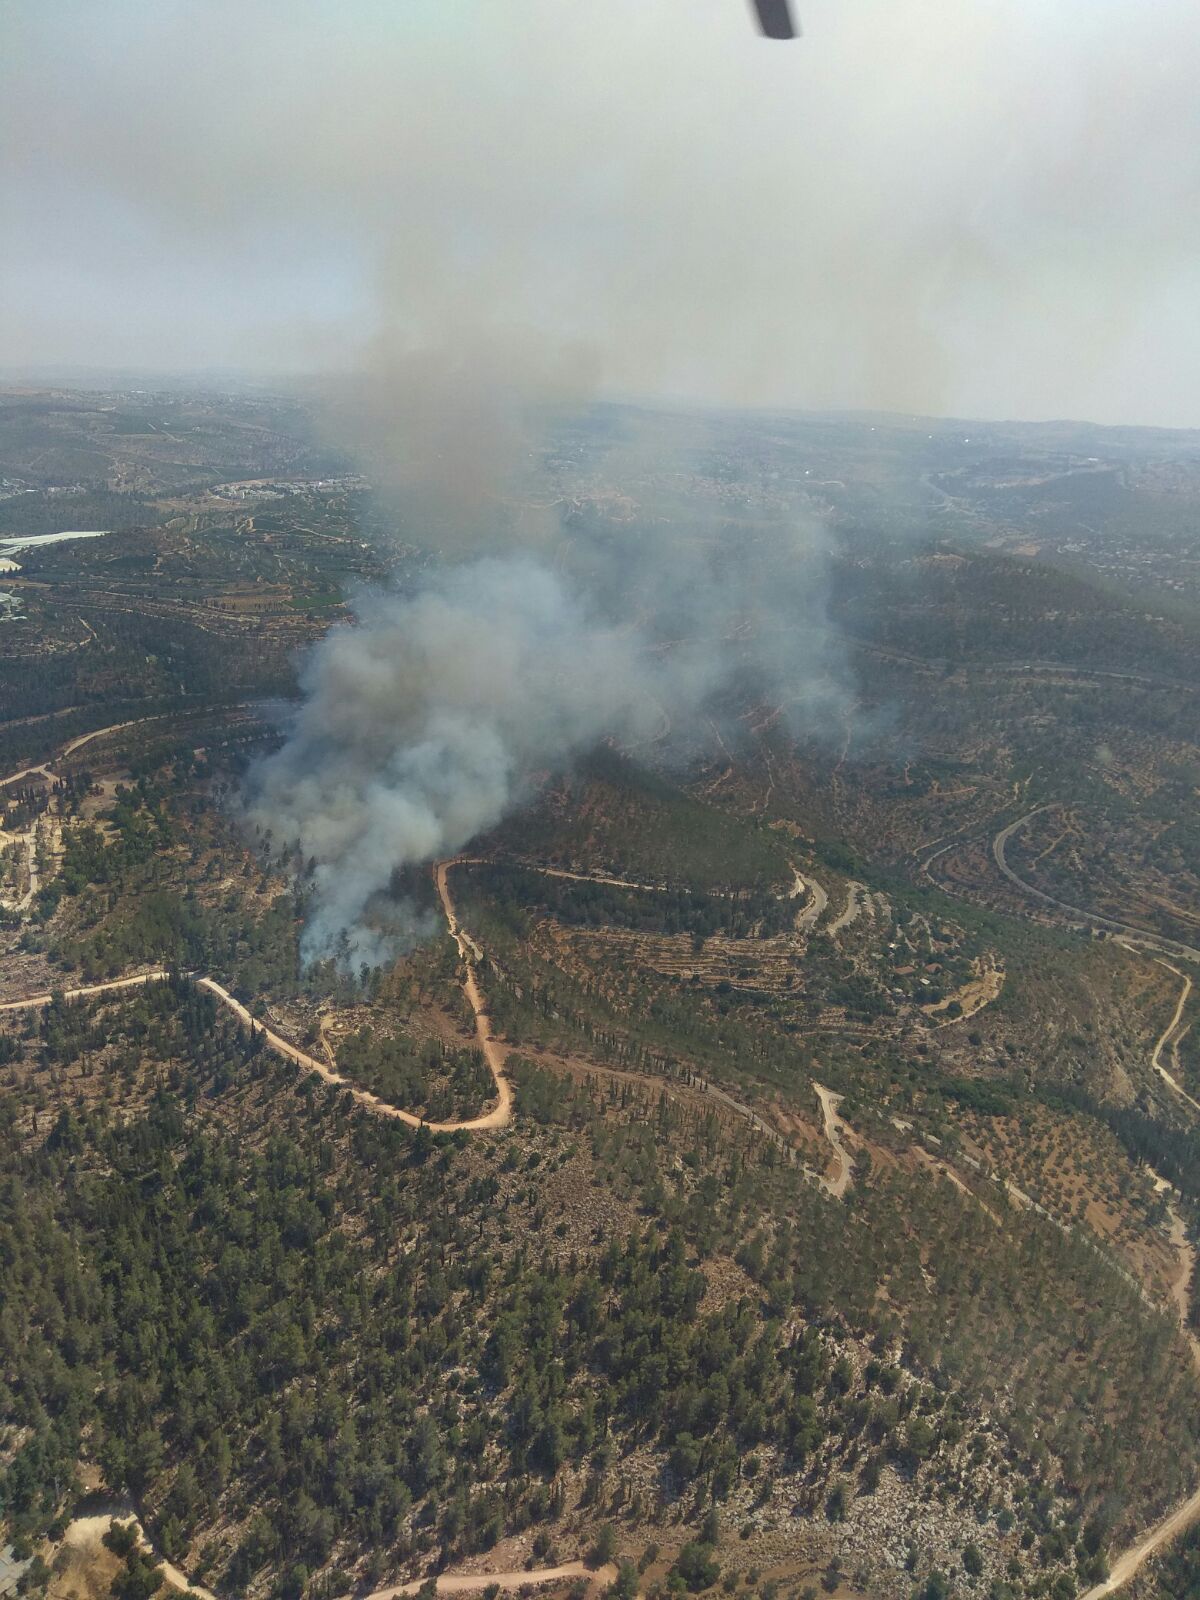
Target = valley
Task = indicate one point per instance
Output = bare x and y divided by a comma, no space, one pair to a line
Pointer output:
772,1170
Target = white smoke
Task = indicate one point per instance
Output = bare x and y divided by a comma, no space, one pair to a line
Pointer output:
422,724
434,714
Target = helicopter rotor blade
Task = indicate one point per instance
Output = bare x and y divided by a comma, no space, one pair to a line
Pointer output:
775,19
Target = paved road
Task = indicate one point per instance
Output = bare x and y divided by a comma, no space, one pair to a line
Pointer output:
1188,1513
1149,941
1125,1566
815,909
855,893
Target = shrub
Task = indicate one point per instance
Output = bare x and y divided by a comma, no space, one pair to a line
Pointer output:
696,1566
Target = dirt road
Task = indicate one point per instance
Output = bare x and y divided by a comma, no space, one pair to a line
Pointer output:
69,749
85,1533
982,990
597,877
493,1052
75,744
466,1582
33,1002
53,815
29,842
1188,1513
27,899
497,1117
797,888
1164,1037
27,772
98,733
1185,1254
1133,1560
942,1169
834,1128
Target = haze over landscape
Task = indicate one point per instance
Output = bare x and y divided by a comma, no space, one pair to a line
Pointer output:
599,897
964,210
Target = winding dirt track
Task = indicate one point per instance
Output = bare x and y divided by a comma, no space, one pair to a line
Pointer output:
465,1582
69,749
498,1117
26,772
34,1002
85,1533
1156,1058
78,743
834,1128
493,1053
92,1528
450,1583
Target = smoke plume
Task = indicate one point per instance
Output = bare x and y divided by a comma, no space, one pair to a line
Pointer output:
435,713
423,724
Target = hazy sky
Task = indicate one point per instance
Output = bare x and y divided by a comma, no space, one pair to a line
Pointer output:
938,205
